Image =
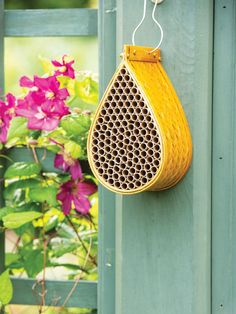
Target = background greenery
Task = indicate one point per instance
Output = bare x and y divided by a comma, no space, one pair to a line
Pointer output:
49,4
22,57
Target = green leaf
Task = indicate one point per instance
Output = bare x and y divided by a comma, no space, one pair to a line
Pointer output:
11,209
17,199
44,194
51,223
33,262
60,249
76,125
58,135
5,211
46,64
20,169
6,290
67,265
66,231
11,258
11,189
16,220
18,128
26,232
73,149
87,90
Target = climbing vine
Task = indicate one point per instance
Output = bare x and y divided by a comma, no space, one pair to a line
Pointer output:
50,195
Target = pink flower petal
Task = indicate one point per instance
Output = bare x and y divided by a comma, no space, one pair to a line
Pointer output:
26,82
35,124
22,112
60,163
11,100
63,194
66,204
50,124
38,97
62,93
3,134
82,205
53,84
71,73
86,188
41,83
56,63
76,171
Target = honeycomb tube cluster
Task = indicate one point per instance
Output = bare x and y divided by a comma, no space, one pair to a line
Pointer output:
126,149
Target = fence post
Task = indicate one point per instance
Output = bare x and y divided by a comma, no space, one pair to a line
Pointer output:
107,61
224,166
163,239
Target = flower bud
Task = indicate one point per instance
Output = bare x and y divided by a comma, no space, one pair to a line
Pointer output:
32,142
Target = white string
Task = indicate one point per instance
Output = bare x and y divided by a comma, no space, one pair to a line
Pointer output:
141,22
160,27
155,21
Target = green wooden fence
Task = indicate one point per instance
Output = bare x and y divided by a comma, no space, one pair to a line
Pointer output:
224,169
32,23
170,252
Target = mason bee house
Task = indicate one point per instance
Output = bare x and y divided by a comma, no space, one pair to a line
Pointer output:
139,139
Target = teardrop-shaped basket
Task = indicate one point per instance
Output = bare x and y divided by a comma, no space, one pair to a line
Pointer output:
139,139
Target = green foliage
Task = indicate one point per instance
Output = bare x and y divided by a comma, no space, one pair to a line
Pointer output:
16,220
76,125
42,4
61,248
45,194
73,149
87,90
5,211
6,290
47,238
33,260
13,187
11,259
22,169
18,129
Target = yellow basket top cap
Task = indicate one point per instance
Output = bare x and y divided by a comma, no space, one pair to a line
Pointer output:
140,53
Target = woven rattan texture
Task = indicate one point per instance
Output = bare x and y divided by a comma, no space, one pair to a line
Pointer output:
140,139
176,138
126,149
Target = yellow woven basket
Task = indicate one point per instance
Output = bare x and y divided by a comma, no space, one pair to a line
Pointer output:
139,139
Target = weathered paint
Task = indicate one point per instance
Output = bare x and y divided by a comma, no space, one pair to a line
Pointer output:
163,239
48,22
106,234
224,162
84,296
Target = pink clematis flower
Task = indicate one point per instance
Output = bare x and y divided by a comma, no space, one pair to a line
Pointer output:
43,89
44,105
67,163
7,112
41,117
65,68
75,193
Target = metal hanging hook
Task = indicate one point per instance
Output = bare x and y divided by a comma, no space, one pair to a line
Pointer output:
158,1
155,21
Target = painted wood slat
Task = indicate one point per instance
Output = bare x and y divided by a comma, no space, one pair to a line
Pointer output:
163,239
106,234
224,162
50,22
85,295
